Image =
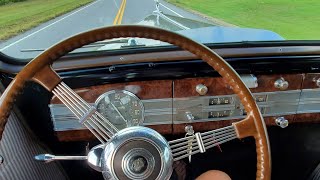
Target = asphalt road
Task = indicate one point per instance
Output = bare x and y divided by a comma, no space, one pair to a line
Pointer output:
99,13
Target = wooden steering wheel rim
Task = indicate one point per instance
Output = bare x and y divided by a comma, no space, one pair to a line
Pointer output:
39,70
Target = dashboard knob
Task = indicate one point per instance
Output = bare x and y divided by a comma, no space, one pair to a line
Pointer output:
282,122
189,116
201,89
317,81
281,84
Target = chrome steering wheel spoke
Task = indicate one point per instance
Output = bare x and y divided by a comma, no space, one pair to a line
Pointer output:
142,153
138,149
97,124
182,148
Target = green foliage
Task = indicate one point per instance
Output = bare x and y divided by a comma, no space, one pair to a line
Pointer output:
3,2
292,19
21,16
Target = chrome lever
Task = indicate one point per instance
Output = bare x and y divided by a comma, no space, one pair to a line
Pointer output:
50,158
93,157
189,133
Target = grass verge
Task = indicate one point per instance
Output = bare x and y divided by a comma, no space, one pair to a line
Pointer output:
18,17
296,20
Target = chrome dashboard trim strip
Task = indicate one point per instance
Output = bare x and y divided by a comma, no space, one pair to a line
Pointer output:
172,110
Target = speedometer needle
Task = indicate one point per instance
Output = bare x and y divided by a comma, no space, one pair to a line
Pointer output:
114,107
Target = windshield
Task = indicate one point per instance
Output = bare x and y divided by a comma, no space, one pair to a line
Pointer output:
28,27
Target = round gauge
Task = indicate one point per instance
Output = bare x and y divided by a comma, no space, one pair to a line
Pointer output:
122,108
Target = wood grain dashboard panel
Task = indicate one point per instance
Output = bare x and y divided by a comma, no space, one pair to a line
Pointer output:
218,86
185,87
310,81
159,89
307,118
266,82
270,121
207,126
85,135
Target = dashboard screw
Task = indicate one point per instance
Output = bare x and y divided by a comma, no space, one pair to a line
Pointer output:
151,65
111,68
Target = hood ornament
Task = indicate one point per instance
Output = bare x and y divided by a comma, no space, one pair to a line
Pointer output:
160,14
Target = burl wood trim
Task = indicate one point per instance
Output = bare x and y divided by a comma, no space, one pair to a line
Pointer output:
86,135
266,82
218,85
271,121
210,125
307,118
75,135
310,81
178,129
187,87
156,89
202,126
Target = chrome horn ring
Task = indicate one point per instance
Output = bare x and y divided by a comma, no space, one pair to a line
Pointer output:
137,153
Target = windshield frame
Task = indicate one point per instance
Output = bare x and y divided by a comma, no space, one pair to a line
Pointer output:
146,49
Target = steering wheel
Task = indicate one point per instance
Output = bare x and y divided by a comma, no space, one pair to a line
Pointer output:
136,144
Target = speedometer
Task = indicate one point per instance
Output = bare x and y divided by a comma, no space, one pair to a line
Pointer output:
122,108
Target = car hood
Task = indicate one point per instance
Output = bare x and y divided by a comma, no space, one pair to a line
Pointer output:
229,34
202,32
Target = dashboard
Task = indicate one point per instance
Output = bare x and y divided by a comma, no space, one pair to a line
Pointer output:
172,89
205,103
283,77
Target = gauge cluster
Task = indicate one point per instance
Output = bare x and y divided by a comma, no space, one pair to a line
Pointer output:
122,108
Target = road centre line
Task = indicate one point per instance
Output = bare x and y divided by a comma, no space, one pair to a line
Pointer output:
49,25
124,6
171,10
118,18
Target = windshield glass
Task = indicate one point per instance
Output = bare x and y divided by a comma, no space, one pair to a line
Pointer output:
28,27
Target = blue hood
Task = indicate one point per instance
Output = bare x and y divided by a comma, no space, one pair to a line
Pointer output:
220,34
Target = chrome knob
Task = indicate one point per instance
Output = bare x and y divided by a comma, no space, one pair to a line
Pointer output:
281,84
189,116
317,81
201,89
282,122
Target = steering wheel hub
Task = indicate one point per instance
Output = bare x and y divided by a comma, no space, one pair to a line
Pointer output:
137,153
